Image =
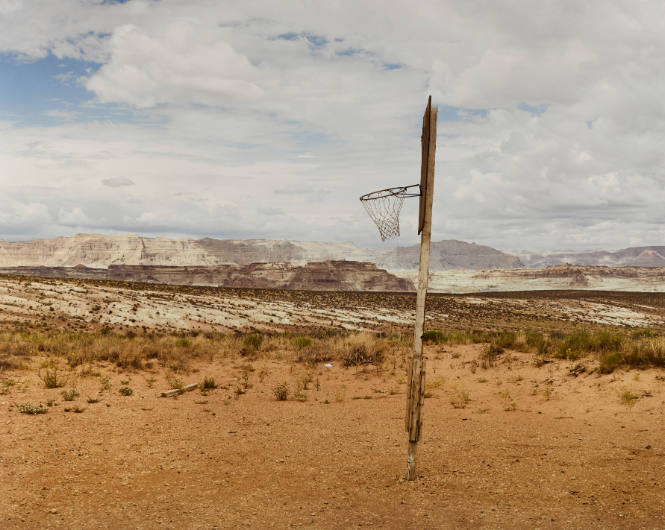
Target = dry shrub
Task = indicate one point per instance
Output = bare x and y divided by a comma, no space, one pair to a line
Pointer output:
489,355
27,408
460,399
628,398
433,336
647,352
12,352
10,363
208,383
363,349
52,377
253,341
609,362
70,395
281,391
316,353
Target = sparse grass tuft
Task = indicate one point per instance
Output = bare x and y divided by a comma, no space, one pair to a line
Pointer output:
609,362
460,399
175,383
69,395
183,342
208,383
6,385
301,343
27,408
357,350
281,391
489,355
628,398
52,378
125,391
433,336
104,383
253,341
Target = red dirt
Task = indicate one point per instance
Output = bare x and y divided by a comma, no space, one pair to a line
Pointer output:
533,447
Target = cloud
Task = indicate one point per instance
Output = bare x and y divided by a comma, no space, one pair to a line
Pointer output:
550,134
10,6
117,182
21,219
183,64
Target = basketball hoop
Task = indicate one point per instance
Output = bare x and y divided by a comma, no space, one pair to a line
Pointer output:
384,206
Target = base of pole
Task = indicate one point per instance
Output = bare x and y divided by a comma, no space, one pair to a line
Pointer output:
411,461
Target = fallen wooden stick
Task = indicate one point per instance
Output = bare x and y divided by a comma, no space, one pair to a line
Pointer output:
177,391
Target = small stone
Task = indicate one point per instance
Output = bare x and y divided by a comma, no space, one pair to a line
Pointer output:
53,510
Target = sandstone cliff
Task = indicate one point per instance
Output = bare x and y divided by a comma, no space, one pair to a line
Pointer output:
129,249
80,271
316,276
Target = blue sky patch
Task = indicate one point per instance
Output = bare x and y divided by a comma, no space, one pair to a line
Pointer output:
31,89
48,92
315,41
449,113
536,110
348,52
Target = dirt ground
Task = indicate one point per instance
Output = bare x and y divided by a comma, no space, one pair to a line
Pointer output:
513,445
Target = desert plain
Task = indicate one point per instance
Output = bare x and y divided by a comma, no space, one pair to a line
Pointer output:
543,409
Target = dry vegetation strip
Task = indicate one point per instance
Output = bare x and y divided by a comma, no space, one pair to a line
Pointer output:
612,348
69,350
640,348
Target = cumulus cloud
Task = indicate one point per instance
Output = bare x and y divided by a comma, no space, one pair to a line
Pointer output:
269,119
21,219
182,63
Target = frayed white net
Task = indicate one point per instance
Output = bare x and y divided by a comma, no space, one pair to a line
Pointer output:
384,206
384,211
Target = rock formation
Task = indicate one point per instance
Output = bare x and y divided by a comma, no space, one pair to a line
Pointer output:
315,276
628,257
128,249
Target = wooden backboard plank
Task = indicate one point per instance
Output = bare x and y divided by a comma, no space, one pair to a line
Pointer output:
416,388
425,142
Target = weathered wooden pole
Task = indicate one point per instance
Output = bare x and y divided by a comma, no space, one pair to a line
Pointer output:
416,390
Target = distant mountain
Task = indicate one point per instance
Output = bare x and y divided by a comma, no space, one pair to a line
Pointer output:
92,250
628,257
448,254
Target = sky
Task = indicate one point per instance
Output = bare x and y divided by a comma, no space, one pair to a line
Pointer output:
268,119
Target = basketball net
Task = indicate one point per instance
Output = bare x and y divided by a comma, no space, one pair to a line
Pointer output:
384,211
384,206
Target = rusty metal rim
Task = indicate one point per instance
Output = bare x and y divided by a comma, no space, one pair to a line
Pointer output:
399,191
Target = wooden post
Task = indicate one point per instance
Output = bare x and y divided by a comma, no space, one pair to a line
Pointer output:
416,390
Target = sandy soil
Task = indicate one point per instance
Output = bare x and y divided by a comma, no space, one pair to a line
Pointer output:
532,447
